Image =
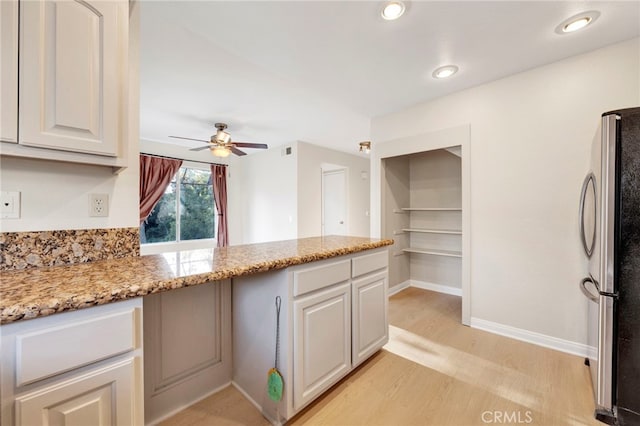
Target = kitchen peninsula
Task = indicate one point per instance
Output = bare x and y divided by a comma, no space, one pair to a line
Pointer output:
86,364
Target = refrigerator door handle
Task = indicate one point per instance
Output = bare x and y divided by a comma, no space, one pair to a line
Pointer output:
589,182
583,287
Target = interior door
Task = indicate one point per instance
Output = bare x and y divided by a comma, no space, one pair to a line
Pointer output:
334,202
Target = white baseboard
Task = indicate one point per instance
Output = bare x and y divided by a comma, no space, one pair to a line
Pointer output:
455,291
425,286
539,339
189,404
398,288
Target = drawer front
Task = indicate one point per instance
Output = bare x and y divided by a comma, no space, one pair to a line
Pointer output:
369,263
311,279
49,351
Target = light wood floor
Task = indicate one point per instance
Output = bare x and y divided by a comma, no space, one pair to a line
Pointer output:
434,371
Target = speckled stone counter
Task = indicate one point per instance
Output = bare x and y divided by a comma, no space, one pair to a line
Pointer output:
28,250
27,294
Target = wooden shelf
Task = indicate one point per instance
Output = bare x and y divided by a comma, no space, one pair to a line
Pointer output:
435,252
431,209
434,231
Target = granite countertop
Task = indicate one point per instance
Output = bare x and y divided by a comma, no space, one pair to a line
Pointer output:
33,293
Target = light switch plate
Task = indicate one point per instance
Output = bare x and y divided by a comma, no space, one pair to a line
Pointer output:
10,204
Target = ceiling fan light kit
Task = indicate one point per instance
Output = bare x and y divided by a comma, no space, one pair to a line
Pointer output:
220,151
221,145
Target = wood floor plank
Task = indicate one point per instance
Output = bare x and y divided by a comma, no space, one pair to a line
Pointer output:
435,371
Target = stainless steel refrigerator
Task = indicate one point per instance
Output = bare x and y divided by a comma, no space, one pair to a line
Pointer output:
610,232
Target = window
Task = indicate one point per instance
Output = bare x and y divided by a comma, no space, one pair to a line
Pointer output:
185,212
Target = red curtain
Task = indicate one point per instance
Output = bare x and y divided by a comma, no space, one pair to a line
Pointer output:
155,174
219,180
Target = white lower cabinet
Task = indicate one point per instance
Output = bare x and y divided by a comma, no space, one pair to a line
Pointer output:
75,368
101,398
333,317
369,316
322,341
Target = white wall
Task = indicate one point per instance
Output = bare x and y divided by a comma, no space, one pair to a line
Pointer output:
55,195
310,162
263,206
530,142
394,178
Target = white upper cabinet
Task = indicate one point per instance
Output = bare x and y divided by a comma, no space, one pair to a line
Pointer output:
73,57
9,70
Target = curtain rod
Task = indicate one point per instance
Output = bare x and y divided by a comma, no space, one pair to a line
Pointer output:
183,159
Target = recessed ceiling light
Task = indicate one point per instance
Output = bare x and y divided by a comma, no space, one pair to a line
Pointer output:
445,71
576,25
393,10
577,22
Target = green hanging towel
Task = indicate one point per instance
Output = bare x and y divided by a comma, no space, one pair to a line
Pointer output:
275,384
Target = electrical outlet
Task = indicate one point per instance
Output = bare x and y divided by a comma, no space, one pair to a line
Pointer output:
99,205
10,204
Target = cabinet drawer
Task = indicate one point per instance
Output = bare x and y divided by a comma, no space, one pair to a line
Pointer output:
311,279
369,262
53,350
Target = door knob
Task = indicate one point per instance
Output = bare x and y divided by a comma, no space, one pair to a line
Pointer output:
341,222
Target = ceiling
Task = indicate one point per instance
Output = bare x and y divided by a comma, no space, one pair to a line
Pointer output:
318,71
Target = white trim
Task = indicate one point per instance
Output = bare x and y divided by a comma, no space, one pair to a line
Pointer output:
539,339
592,352
465,160
455,291
439,288
188,404
398,288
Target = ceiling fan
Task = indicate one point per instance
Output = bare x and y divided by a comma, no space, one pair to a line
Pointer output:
220,144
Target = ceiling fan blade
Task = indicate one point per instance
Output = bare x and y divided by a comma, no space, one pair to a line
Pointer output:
236,151
251,145
190,139
200,148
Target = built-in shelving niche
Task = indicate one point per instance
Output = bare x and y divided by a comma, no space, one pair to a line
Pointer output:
421,195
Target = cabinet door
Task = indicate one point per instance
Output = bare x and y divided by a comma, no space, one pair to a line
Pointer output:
73,74
369,316
322,341
101,397
9,70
